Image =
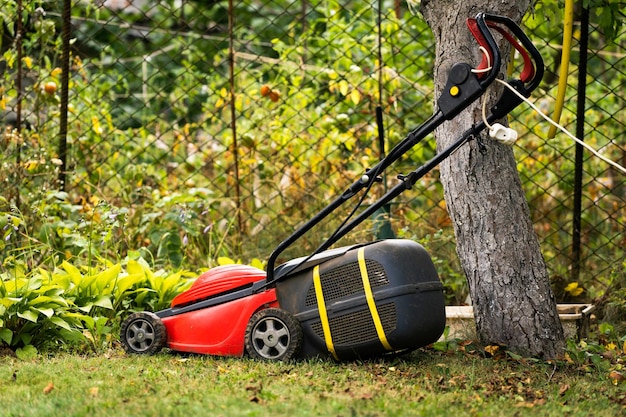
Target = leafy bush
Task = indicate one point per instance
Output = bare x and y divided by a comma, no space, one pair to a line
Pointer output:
72,306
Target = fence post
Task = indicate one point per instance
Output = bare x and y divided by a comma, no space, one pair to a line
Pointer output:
65,67
580,132
233,115
18,105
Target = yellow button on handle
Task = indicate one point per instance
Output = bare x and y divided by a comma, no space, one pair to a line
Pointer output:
454,91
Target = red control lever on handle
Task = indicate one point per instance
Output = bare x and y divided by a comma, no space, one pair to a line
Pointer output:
529,69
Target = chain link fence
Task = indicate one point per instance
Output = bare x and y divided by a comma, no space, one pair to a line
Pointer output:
192,130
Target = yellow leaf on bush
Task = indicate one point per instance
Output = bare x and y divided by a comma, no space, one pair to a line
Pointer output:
343,87
95,125
574,289
355,96
223,260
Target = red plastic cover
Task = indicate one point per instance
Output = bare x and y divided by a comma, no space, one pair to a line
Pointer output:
218,280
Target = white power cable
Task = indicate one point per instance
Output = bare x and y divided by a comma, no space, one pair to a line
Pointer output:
558,126
486,54
497,131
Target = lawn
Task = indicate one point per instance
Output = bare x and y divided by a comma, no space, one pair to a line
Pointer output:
427,382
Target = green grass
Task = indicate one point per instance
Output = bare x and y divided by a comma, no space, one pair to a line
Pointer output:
426,383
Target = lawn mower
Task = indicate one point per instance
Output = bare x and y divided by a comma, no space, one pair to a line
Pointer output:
358,301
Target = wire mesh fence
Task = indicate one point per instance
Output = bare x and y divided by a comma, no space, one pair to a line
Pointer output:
182,131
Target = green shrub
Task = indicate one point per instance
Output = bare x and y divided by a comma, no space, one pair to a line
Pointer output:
77,306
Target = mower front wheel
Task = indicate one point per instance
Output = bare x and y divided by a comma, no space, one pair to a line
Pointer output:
273,334
143,333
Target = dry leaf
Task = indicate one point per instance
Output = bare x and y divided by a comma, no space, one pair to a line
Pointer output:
492,349
48,388
93,391
563,389
616,377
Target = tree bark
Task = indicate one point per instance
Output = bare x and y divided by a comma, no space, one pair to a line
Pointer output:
508,281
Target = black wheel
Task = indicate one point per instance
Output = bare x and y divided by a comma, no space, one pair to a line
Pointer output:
143,333
273,334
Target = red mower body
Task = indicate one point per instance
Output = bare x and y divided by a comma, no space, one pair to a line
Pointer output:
220,329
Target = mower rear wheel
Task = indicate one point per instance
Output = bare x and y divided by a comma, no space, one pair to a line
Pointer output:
273,334
143,333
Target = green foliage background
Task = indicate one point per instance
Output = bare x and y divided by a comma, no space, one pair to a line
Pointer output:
177,162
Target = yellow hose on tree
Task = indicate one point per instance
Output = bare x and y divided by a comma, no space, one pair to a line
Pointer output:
568,25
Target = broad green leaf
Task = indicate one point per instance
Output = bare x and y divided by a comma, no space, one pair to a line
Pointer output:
142,293
51,290
134,267
34,284
58,321
73,272
63,281
127,282
169,283
28,315
12,285
107,278
26,353
89,322
48,312
6,335
103,301
43,299
9,301
74,316
72,335
85,307
86,283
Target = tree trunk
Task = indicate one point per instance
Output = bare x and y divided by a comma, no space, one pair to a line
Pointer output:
508,281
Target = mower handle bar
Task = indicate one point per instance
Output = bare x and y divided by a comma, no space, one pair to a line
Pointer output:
450,104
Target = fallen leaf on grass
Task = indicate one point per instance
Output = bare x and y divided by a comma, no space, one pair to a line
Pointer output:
616,377
564,389
48,388
93,391
492,349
